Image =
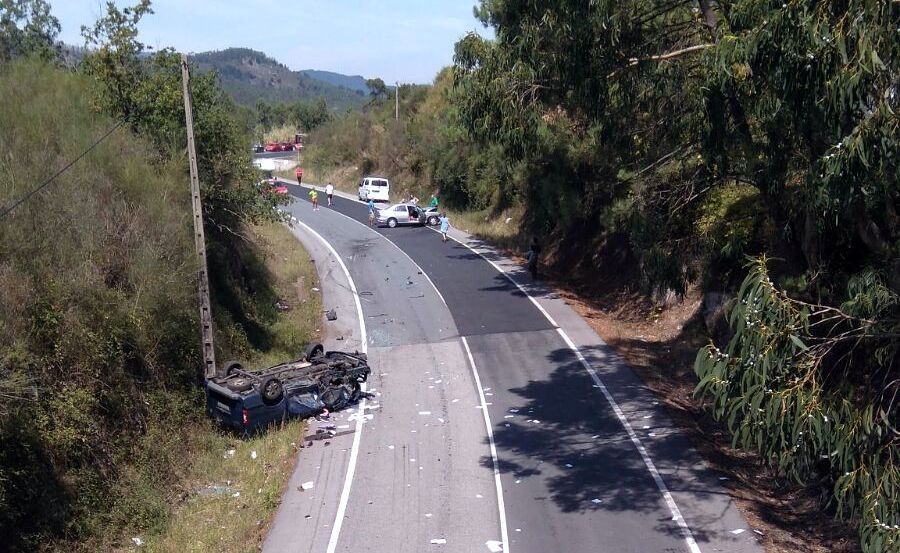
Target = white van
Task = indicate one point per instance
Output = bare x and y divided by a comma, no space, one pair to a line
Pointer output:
375,188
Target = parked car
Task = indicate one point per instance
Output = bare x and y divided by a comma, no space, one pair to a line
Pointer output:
258,148
247,400
377,189
273,147
400,214
287,147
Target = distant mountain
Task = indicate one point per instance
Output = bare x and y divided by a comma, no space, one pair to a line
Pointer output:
249,76
353,82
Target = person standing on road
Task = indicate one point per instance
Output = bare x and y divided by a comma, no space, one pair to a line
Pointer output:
445,226
534,252
329,191
299,173
314,198
371,205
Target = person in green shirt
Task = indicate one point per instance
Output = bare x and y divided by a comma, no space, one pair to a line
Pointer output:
314,198
434,201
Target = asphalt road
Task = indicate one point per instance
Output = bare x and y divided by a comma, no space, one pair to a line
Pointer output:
581,464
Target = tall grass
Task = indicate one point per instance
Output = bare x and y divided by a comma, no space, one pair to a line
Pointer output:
101,417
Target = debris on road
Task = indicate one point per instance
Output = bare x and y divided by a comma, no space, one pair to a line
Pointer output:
306,486
331,315
438,541
738,531
494,546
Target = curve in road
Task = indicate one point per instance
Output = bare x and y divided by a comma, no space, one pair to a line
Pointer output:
572,469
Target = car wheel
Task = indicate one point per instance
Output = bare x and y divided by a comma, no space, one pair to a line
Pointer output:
392,223
271,390
313,351
433,221
232,367
239,384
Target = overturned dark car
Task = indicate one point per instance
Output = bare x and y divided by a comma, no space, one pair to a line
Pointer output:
248,400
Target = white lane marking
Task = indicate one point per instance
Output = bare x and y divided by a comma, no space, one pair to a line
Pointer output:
504,535
354,449
651,467
391,242
648,462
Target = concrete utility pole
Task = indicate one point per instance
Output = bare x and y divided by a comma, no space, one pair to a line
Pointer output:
397,101
206,328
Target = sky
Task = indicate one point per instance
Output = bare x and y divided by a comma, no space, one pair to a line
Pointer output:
406,41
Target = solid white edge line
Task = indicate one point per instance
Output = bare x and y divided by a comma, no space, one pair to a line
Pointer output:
648,462
645,456
504,534
354,449
391,242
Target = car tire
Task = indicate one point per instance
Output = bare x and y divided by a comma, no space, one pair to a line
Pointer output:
433,221
232,367
313,351
392,222
271,390
239,384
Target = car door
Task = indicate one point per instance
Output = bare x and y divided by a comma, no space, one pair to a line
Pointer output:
401,213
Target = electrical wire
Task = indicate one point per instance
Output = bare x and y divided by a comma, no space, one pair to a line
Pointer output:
23,199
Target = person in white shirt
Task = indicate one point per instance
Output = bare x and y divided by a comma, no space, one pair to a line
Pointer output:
329,191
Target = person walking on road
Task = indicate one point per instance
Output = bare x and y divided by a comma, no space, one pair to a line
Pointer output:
445,226
371,205
329,191
534,252
314,198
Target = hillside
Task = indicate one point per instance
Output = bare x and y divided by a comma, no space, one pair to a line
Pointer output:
357,83
248,76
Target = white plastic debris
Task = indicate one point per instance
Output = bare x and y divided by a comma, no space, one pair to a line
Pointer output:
253,454
306,485
568,465
427,515
596,501
137,541
236,494
424,412
738,531
478,496
438,541
494,546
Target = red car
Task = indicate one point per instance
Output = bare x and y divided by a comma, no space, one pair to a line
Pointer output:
273,147
287,147
273,186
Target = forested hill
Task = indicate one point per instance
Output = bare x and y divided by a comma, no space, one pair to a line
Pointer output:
248,75
356,83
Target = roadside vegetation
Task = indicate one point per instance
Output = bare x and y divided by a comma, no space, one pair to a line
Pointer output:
745,151
102,423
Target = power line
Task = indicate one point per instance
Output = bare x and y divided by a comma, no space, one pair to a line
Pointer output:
24,198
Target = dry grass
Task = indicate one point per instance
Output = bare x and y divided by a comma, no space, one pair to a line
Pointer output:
503,230
205,521
234,516
294,276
